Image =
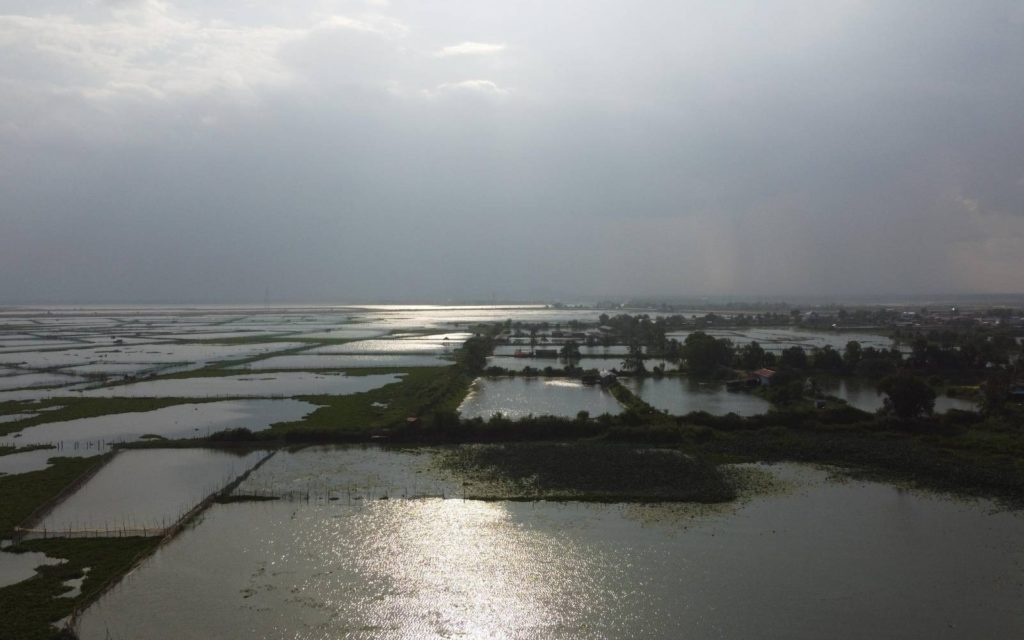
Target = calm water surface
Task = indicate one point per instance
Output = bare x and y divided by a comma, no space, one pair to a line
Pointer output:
15,567
822,560
249,385
147,489
178,421
863,394
681,395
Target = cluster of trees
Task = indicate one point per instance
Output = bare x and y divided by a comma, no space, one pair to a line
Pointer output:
704,355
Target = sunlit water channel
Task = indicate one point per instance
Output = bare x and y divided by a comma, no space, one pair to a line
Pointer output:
519,397
824,559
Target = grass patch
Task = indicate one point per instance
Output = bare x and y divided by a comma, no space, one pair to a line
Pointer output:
421,391
28,609
942,463
585,471
6,450
23,493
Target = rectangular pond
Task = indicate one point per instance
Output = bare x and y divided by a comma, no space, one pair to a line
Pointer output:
820,559
350,361
145,490
249,385
518,397
88,436
679,395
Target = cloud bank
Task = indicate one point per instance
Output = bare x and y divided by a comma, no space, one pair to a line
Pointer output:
338,151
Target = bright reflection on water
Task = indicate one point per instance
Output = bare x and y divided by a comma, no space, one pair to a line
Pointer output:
827,560
519,397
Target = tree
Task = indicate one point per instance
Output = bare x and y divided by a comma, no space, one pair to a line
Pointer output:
570,353
794,358
852,354
907,396
995,392
634,361
704,353
828,359
752,356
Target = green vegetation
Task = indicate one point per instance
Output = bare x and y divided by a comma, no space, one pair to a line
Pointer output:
907,396
6,451
29,609
585,471
422,392
21,494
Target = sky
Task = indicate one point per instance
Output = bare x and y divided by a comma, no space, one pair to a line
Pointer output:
345,151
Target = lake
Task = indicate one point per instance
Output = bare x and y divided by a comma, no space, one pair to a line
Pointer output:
819,559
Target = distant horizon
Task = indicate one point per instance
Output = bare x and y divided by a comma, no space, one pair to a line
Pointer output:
588,301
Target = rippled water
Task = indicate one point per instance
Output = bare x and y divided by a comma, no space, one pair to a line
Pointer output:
681,395
823,560
519,397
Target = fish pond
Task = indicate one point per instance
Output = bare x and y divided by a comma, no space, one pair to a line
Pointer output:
681,395
145,491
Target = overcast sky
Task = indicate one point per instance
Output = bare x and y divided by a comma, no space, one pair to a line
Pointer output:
206,151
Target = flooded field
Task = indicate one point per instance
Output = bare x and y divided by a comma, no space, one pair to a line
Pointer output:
36,459
352,361
88,436
30,380
519,397
245,386
145,490
143,354
349,473
15,567
680,395
821,559
366,542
